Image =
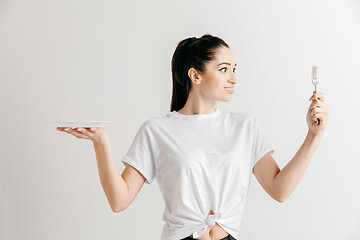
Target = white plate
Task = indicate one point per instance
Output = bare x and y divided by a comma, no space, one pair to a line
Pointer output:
74,124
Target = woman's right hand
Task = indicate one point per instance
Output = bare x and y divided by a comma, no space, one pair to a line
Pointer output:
95,134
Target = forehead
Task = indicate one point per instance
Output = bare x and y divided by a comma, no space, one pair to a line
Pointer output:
224,54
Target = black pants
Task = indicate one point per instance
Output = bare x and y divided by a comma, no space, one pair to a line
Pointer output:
228,237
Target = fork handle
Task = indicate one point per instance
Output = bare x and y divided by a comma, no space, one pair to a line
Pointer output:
317,120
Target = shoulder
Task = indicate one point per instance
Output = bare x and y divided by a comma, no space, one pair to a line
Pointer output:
153,123
241,117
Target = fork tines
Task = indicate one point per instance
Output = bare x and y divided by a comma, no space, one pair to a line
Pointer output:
314,72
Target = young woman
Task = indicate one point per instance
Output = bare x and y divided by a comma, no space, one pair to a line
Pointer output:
202,156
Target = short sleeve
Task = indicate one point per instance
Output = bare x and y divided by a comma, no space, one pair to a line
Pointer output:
140,155
261,145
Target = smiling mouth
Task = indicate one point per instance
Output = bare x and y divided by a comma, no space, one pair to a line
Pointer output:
230,90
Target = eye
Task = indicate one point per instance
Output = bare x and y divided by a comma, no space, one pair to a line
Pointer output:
225,68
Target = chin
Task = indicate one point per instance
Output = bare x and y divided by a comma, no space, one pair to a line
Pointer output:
228,99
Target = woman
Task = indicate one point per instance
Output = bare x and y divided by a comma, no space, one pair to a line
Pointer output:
202,156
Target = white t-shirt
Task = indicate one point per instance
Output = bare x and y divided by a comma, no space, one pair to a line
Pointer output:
201,162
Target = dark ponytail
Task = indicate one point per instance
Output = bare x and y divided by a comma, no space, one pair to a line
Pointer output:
190,52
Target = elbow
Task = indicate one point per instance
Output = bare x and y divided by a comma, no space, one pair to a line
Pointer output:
281,199
118,205
278,195
116,210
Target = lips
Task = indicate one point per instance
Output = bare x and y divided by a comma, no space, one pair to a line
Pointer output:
229,90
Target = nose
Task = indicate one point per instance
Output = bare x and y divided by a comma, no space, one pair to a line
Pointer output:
233,79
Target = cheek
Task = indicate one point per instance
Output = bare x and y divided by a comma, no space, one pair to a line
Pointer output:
215,84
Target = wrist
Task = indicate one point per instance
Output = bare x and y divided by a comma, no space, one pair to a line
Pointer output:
312,135
101,141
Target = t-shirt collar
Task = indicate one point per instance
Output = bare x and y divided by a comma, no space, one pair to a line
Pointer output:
175,114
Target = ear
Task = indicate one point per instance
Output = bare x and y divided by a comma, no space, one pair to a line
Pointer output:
194,76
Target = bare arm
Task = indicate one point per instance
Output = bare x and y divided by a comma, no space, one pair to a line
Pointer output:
120,190
288,178
280,184
114,185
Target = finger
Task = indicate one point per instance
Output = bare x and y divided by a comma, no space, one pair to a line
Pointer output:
315,116
324,114
316,103
317,111
323,106
321,116
77,133
318,95
85,131
61,129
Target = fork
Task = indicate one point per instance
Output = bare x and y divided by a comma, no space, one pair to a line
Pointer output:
315,82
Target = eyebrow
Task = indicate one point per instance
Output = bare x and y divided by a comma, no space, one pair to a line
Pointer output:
226,63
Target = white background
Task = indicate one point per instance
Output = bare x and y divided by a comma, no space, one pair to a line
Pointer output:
77,60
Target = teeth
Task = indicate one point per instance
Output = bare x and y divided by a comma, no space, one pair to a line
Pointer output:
230,88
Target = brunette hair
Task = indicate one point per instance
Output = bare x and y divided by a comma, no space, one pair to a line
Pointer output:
191,52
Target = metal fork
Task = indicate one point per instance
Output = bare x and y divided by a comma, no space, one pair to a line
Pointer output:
315,82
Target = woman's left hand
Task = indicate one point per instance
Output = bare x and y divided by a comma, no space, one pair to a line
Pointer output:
318,109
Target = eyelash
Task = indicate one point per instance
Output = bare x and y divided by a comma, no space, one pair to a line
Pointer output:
225,68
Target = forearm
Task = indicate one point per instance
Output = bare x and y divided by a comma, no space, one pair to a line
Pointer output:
289,177
113,184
